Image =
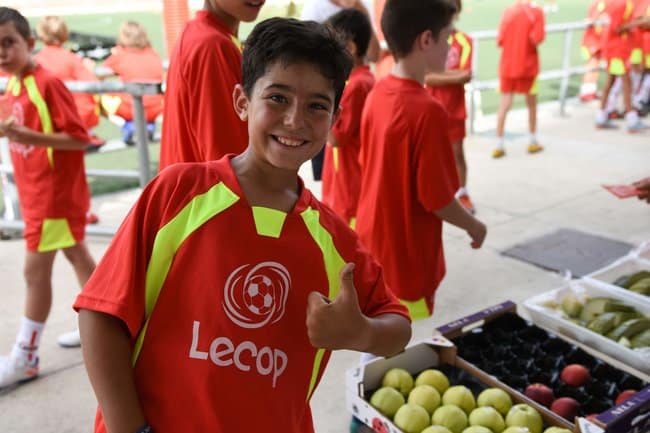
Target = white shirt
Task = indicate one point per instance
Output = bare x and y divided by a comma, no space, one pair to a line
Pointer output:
321,10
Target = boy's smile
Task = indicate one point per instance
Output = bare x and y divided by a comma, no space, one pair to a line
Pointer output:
15,51
290,112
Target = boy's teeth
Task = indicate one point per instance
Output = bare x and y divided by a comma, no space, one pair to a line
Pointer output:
289,142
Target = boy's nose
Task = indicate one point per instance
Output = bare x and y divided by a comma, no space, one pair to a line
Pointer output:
294,117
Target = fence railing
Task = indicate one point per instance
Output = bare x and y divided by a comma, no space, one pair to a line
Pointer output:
12,221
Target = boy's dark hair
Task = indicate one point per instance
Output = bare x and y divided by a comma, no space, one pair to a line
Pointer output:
9,15
404,20
355,26
290,41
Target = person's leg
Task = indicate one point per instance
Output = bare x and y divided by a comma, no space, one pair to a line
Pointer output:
588,89
504,106
83,265
602,119
632,120
38,277
531,104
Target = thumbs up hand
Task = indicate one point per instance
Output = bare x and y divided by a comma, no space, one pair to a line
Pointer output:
339,323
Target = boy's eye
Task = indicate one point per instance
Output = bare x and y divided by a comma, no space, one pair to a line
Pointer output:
318,106
7,42
278,98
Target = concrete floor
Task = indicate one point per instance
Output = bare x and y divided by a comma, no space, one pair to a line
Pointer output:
519,197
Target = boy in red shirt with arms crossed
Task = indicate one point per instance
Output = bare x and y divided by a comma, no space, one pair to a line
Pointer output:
409,179
341,171
520,32
199,121
47,142
448,88
228,278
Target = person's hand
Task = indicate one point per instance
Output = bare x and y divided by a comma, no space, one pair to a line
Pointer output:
477,232
465,77
643,185
14,132
339,323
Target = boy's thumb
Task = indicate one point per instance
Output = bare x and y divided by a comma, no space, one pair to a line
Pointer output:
347,280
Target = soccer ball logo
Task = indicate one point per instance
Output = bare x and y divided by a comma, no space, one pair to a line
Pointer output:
256,295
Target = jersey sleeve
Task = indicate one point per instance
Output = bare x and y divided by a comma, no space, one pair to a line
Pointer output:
63,110
467,49
435,173
538,32
211,112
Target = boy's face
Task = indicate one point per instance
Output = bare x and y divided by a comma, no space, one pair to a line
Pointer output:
240,10
437,50
15,51
289,112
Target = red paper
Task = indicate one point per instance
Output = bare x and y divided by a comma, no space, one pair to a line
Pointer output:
622,191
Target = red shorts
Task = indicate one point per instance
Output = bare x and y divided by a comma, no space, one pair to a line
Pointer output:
456,130
50,234
526,85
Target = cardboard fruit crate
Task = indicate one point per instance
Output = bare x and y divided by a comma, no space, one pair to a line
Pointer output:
435,352
630,264
609,420
537,307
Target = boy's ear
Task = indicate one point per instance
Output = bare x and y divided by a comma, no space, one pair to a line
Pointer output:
351,47
425,39
31,42
240,102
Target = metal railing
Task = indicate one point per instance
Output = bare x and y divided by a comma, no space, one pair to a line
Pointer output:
564,74
12,221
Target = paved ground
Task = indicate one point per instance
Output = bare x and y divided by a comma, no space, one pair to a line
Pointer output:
519,197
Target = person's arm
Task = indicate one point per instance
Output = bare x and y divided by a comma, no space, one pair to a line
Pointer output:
107,354
455,76
644,186
340,324
456,215
24,135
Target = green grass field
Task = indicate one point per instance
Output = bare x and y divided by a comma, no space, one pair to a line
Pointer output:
477,15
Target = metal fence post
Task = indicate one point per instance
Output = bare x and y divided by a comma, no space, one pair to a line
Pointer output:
141,140
10,193
472,91
566,72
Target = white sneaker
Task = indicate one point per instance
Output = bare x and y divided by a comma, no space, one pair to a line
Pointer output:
634,124
17,370
69,339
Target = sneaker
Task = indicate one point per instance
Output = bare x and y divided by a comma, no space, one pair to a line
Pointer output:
498,152
91,218
637,127
466,202
69,339
588,97
534,148
17,370
128,130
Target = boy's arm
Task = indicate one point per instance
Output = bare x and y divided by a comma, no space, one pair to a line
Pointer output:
455,214
57,140
340,324
644,186
107,351
455,76
538,32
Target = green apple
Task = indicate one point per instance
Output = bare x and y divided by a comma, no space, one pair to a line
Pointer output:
487,416
387,400
399,379
425,396
522,415
460,396
450,416
411,418
557,430
436,429
477,429
516,429
435,378
497,398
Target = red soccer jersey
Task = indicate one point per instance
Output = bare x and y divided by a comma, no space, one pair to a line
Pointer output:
459,57
67,66
228,328
200,121
138,65
408,172
618,45
592,39
341,172
520,32
51,183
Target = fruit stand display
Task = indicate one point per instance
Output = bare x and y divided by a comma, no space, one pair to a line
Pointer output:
428,389
549,370
630,274
610,321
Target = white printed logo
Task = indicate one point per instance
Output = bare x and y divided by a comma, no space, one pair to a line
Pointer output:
256,297
19,119
453,58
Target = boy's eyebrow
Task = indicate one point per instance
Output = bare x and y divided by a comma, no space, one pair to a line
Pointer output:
291,89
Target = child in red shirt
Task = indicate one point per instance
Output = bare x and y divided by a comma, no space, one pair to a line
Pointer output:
47,142
228,278
448,88
341,172
592,44
200,123
409,179
67,66
520,32
133,60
